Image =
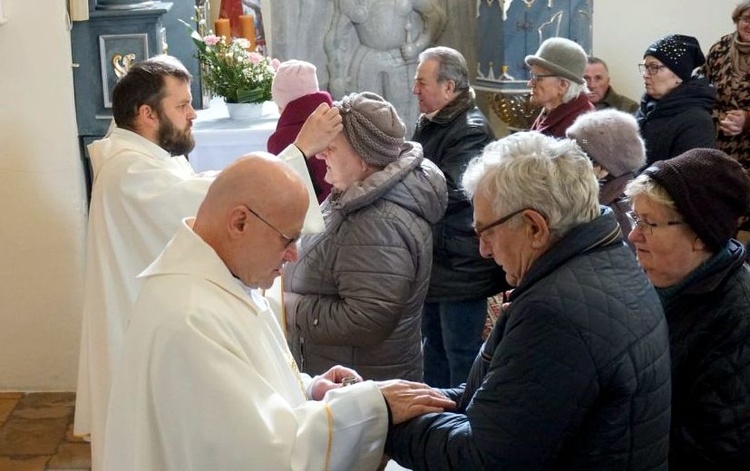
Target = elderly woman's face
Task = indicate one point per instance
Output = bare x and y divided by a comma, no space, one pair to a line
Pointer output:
658,79
743,26
547,90
343,165
667,253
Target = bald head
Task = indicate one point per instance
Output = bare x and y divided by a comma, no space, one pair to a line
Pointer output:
251,212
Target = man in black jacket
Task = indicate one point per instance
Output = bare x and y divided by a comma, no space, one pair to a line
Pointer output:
576,372
452,130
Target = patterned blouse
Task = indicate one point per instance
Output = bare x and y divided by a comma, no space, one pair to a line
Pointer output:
733,92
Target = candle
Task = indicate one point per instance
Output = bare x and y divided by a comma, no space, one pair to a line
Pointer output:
247,22
221,28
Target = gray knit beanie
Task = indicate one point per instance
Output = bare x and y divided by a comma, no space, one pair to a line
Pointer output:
562,57
610,138
710,189
372,127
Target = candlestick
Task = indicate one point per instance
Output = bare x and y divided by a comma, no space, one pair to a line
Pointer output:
247,22
221,28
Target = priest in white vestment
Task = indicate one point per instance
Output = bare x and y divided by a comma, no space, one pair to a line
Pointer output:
207,381
143,187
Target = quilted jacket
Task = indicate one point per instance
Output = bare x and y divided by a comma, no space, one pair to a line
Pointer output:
575,374
358,288
709,333
455,135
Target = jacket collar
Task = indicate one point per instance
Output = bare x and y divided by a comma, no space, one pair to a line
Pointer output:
455,107
604,231
188,254
710,275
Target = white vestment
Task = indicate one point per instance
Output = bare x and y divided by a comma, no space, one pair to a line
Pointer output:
140,195
207,382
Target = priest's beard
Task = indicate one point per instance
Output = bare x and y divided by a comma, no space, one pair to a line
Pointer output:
173,140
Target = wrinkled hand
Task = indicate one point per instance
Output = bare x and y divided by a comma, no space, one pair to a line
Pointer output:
331,379
408,399
319,130
733,122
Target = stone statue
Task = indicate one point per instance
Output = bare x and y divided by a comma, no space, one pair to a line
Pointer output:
373,45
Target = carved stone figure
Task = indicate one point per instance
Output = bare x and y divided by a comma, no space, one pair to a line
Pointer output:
373,45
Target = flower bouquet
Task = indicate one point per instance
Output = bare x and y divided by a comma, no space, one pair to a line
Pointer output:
233,72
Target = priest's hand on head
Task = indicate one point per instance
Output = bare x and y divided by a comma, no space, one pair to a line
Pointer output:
319,130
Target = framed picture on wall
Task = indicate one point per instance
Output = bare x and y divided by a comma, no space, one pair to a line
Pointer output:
116,53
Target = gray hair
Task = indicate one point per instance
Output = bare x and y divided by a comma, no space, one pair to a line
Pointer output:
451,65
644,185
574,89
591,60
530,170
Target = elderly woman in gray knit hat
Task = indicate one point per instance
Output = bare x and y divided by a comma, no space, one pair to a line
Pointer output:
611,140
354,297
557,85
685,210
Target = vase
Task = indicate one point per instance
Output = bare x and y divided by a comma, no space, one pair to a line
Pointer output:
245,110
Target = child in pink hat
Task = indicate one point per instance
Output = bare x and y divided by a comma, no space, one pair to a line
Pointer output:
295,91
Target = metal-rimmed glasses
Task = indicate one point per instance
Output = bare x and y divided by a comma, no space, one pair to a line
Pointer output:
652,68
648,227
535,77
481,230
289,240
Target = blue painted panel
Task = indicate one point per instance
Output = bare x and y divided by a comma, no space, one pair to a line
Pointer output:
525,25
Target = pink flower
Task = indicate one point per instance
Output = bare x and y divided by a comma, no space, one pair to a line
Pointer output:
275,63
211,40
255,58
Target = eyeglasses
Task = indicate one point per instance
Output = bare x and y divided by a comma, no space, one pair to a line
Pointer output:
480,230
743,19
652,68
289,240
534,77
648,227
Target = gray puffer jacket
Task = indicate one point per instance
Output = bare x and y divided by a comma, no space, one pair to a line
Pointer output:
356,291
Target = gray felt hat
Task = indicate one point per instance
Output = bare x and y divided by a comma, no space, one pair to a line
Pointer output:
562,57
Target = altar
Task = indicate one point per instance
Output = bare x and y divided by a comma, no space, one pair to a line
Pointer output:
220,140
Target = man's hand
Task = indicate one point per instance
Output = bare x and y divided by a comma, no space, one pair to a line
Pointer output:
331,379
408,399
319,130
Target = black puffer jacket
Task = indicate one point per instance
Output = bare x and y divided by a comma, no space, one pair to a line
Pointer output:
679,121
575,375
709,330
455,135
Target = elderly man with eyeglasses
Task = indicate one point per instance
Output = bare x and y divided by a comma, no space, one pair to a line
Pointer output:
575,374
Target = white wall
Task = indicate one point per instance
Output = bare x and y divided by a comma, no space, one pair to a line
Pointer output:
624,29
42,201
42,198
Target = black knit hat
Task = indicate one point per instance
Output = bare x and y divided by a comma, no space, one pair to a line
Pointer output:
711,191
680,53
